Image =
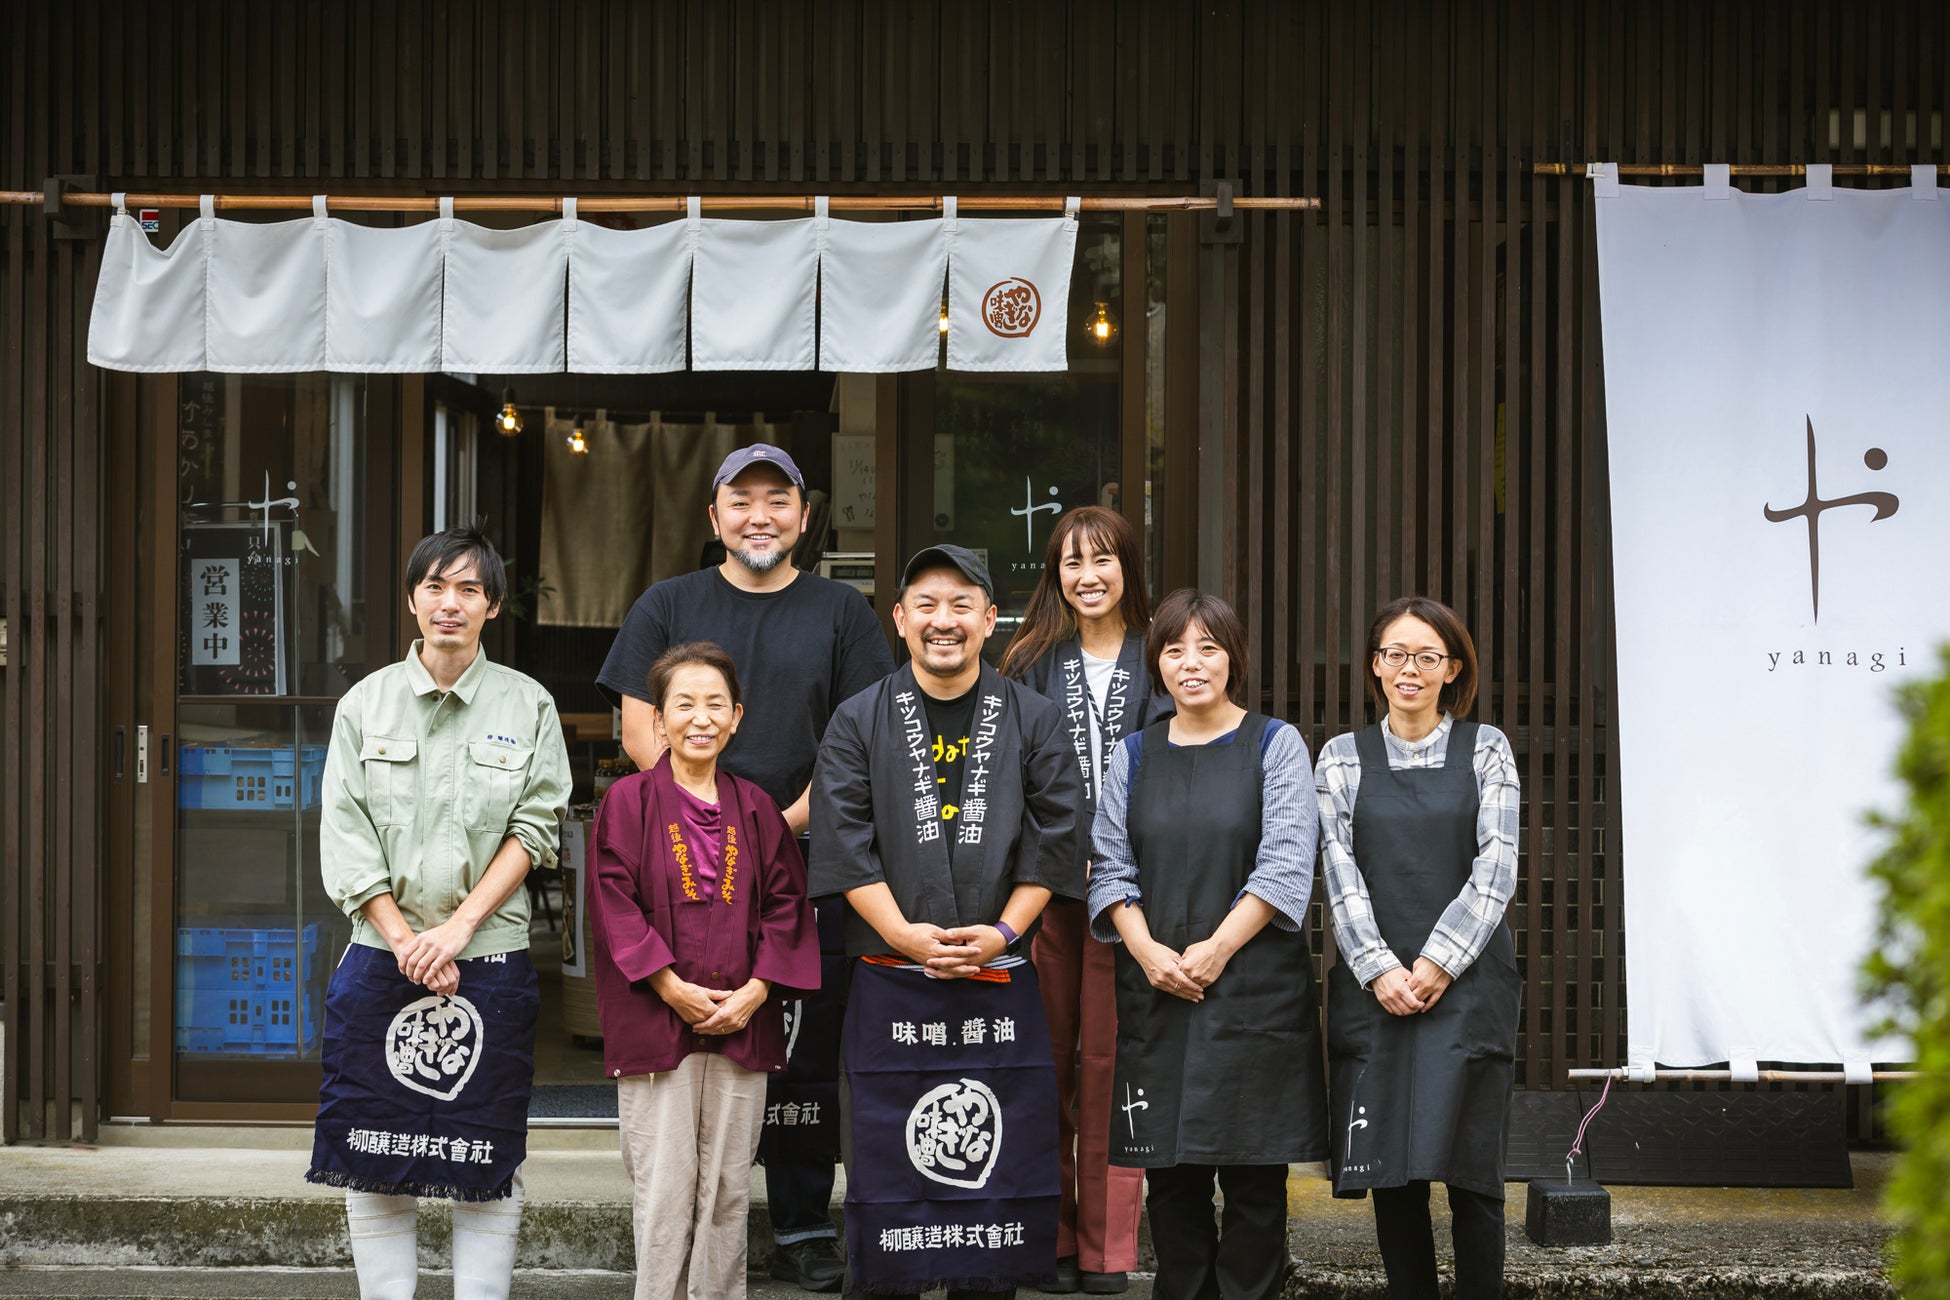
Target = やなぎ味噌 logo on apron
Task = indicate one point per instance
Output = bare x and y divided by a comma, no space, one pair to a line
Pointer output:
434,1046
954,1133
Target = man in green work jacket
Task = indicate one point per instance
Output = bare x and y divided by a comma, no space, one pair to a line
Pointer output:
445,785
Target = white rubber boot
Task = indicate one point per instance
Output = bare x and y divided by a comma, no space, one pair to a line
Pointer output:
385,1233
486,1235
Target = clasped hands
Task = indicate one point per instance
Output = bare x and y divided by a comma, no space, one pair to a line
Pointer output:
951,954
428,957
1183,974
1410,991
710,1011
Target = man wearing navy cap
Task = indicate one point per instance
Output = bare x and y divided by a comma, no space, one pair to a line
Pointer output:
802,644
945,811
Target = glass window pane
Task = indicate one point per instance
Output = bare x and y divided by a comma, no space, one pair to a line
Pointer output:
270,478
1013,452
1154,400
271,630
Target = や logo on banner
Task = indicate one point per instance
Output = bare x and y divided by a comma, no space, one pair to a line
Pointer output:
954,1133
433,1046
1011,308
1884,504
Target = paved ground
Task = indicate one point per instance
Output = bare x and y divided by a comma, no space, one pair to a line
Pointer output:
218,1214
334,1284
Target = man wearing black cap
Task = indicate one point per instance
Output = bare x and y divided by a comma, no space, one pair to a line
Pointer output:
944,808
802,644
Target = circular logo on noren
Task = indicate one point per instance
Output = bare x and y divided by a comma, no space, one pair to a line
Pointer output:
1012,307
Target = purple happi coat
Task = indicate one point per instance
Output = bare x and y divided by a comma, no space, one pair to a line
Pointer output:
642,921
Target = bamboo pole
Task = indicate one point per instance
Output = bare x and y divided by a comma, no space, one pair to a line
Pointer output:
1622,1075
669,203
1736,169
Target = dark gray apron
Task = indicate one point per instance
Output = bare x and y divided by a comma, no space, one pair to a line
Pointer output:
1424,1096
1235,1079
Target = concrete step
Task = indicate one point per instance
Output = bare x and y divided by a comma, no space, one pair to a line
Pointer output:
235,1198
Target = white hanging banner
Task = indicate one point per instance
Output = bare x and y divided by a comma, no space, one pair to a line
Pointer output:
382,297
1009,292
149,302
266,290
328,294
505,295
1775,389
627,296
754,294
880,289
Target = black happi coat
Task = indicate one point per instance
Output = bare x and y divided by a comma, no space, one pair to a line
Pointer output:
1134,703
874,818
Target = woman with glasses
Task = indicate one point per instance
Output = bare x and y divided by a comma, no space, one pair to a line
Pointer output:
1418,817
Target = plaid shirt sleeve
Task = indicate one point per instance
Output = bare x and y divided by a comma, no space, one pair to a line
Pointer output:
1337,781
1468,922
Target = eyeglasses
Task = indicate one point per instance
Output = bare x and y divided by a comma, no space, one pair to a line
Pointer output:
1426,660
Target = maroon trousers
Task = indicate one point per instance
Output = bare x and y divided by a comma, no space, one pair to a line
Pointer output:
1101,1202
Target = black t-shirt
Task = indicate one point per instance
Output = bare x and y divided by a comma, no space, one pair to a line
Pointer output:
950,721
800,652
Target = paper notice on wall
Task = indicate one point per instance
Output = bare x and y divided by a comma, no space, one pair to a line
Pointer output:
216,605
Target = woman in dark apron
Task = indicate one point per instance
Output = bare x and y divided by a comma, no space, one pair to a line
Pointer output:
1204,849
1418,832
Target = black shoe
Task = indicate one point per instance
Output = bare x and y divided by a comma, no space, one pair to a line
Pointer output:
814,1264
1067,1278
1104,1283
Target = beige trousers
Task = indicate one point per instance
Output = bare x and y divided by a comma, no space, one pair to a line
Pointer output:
688,1138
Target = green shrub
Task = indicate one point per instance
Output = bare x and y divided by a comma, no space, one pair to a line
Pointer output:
1911,969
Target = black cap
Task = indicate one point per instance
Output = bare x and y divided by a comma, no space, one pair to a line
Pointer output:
955,557
759,453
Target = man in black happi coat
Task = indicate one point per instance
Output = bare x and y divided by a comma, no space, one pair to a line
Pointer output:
944,807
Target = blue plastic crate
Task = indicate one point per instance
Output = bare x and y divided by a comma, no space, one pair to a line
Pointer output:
249,777
248,992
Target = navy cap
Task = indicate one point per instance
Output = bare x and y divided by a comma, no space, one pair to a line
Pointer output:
759,453
959,558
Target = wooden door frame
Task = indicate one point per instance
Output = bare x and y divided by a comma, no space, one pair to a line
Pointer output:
139,821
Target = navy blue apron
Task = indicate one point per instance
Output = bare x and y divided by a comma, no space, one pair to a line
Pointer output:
425,1095
802,1103
950,1131
1423,1096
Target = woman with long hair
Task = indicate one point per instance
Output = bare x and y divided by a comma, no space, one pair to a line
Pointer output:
1204,844
1418,830
1081,644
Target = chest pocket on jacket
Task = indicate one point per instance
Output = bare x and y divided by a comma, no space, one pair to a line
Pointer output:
492,783
392,773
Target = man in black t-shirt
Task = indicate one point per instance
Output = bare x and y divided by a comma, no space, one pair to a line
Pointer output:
802,645
950,721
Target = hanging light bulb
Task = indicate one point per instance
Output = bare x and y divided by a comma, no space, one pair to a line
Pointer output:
1102,325
508,423
944,318
578,444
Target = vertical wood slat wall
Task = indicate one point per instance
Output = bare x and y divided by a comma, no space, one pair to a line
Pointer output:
1408,381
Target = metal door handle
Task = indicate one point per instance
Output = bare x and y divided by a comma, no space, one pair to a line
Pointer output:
121,745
